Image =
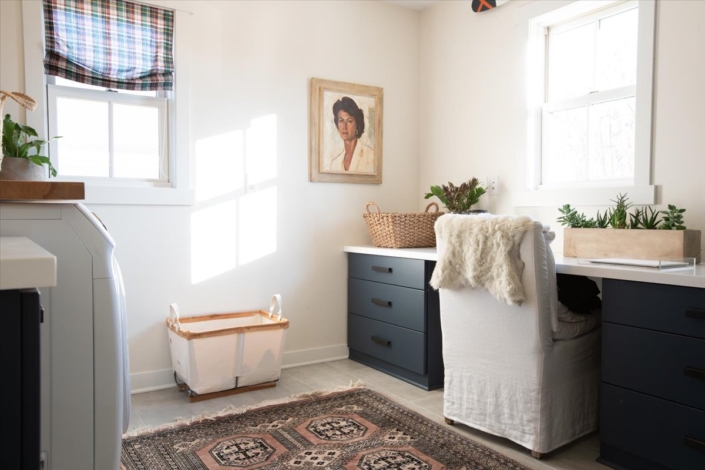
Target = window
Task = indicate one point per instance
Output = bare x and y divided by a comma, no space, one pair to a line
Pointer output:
591,78
110,89
108,133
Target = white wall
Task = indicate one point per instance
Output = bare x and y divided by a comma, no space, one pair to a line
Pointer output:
473,104
251,60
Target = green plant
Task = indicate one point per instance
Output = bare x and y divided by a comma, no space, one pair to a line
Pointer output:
603,221
673,218
458,199
635,219
17,143
570,217
649,222
618,216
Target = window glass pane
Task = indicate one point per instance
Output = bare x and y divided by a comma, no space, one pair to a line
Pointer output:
136,134
83,147
570,58
612,127
566,155
616,50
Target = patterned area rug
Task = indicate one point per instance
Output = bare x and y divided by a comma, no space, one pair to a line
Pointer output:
353,429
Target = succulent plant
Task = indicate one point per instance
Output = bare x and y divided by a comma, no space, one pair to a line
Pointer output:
673,218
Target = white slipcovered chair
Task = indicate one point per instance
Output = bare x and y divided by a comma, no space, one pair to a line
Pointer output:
505,374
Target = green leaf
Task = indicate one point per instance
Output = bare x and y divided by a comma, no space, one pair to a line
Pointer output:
28,130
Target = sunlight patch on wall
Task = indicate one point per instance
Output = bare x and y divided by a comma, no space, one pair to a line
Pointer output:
239,168
261,148
219,165
258,225
213,241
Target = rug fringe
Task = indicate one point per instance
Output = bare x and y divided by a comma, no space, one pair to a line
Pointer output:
232,410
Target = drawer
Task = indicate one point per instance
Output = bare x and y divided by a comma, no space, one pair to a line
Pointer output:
394,344
657,430
403,272
673,309
659,364
399,306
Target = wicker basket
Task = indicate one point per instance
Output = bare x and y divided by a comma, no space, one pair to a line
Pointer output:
402,230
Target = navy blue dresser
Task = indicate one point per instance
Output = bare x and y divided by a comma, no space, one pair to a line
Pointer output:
653,376
394,318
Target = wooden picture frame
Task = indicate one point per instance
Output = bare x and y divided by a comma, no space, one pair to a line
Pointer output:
342,151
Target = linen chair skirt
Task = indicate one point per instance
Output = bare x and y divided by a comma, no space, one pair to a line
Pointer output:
540,404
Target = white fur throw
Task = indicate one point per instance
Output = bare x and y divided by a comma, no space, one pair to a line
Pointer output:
481,251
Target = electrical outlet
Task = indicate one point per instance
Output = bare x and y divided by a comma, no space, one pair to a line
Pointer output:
493,185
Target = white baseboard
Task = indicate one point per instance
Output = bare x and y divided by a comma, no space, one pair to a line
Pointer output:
304,357
141,382
151,381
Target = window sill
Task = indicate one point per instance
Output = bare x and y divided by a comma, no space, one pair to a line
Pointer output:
123,195
638,195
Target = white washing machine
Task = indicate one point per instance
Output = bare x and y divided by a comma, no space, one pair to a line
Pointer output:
85,382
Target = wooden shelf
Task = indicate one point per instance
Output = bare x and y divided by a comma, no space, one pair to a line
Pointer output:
41,191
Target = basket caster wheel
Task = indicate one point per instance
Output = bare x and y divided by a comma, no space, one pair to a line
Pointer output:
449,421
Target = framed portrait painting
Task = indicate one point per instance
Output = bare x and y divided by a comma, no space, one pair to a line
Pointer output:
345,133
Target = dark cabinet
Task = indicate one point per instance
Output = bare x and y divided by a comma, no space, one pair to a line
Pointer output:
394,318
20,312
653,376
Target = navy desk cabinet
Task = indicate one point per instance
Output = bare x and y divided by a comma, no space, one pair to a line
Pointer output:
653,376
19,364
394,318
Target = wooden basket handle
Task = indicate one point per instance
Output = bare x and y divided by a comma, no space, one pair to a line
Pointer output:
432,204
367,207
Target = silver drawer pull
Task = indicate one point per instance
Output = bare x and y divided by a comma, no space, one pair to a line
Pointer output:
695,373
381,269
380,341
695,313
382,303
694,443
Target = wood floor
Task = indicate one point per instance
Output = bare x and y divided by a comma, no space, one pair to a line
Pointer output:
165,406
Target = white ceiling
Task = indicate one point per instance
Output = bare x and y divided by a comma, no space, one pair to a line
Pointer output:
414,4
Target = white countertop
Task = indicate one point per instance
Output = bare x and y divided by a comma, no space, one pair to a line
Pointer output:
677,277
24,264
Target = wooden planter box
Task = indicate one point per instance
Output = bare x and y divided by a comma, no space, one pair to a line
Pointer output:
626,243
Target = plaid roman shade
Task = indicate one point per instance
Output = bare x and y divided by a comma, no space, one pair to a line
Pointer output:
110,43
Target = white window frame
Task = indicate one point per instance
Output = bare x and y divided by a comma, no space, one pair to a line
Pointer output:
177,187
54,92
640,190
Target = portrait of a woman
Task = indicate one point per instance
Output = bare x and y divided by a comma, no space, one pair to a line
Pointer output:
356,157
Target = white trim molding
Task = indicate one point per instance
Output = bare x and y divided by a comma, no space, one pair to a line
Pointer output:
540,15
638,195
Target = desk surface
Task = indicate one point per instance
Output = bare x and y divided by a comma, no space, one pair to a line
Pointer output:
24,264
679,277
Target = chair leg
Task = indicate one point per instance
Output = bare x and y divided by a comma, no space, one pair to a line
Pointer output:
449,421
536,455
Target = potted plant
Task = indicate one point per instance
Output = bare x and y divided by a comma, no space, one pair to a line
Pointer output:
639,234
21,153
458,199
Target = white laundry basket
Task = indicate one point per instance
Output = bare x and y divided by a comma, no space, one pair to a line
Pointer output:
227,351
